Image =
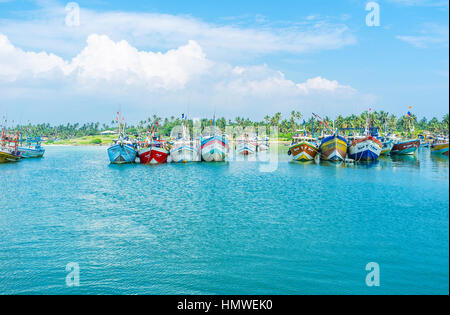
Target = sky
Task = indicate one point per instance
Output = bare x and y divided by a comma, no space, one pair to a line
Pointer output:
85,60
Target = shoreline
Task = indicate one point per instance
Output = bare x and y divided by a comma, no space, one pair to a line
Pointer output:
108,144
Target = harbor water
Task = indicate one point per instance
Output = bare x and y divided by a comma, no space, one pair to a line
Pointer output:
223,228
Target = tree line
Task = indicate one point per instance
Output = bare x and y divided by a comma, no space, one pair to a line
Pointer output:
287,126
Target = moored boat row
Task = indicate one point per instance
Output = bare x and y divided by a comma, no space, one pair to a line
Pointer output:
361,145
337,148
440,146
13,147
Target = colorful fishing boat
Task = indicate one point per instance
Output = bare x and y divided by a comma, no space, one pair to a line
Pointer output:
246,146
9,148
333,148
263,144
155,151
303,149
387,146
31,147
407,147
440,147
214,148
122,151
364,148
184,149
185,152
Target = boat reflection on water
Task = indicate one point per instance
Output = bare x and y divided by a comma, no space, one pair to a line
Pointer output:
366,164
404,160
440,161
332,163
305,162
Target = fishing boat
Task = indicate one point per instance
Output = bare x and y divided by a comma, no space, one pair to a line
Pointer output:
154,150
387,146
303,149
263,144
406,147
185,149
246,146
333,148
440,146
185,152
122,150
31,147
364,148
9,148
214,148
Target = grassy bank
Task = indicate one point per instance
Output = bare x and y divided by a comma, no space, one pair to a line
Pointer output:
87,140
107,140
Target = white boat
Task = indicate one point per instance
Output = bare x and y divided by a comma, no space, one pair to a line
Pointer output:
263,144
246,146
184,151
366,148
214,148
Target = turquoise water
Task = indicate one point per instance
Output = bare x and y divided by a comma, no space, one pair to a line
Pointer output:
223,228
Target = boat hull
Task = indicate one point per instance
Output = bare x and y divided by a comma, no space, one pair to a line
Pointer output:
387,147
214,149
7,158
153,155
185,154
121,154
440,148
406,147
333,148
263,147
303,151
365,149
28,153
246,148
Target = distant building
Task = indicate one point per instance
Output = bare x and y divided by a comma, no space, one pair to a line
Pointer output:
108,132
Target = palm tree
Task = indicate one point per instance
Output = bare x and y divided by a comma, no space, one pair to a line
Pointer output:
276,119
445,122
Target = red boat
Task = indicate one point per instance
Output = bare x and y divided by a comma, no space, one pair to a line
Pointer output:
154,153
153,150
407,147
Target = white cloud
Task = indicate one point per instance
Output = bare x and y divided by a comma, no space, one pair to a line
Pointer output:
14,62
104,61
321,84
108,72
431,35
45,30
262,81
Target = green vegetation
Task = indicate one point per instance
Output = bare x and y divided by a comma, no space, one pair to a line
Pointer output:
96,141
88,140
86,134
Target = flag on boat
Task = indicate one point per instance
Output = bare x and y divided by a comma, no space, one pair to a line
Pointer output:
321,121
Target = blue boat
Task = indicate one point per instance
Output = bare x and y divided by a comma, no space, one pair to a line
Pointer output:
31,147
122,152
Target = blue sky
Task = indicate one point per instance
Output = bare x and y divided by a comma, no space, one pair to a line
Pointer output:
235,58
